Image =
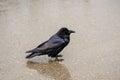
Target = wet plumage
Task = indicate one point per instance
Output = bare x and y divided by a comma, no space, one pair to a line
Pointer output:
53,46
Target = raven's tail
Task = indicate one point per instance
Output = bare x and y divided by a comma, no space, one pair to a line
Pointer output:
29,51
31,55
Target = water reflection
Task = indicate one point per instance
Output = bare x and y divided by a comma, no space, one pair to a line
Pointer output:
53,69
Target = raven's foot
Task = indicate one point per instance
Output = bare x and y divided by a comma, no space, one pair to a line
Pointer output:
60,60
56,59
59,56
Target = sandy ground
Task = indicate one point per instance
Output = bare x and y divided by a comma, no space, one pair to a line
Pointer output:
94,50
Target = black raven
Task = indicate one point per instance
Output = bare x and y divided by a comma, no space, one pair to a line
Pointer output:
54,45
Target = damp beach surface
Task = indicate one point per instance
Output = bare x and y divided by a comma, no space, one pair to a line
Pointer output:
92,54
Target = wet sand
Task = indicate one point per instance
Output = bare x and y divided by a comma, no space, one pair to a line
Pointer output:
93,52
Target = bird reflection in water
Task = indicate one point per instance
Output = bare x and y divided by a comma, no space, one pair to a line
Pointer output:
53,69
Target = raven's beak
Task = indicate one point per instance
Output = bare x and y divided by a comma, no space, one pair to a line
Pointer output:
71,31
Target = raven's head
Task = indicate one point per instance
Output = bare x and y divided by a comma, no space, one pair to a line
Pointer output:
64,32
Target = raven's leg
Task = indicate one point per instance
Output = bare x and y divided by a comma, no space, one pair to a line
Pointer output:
59,56
56,59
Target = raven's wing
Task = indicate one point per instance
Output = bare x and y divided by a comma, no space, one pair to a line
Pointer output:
41,44
53,42
33,50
